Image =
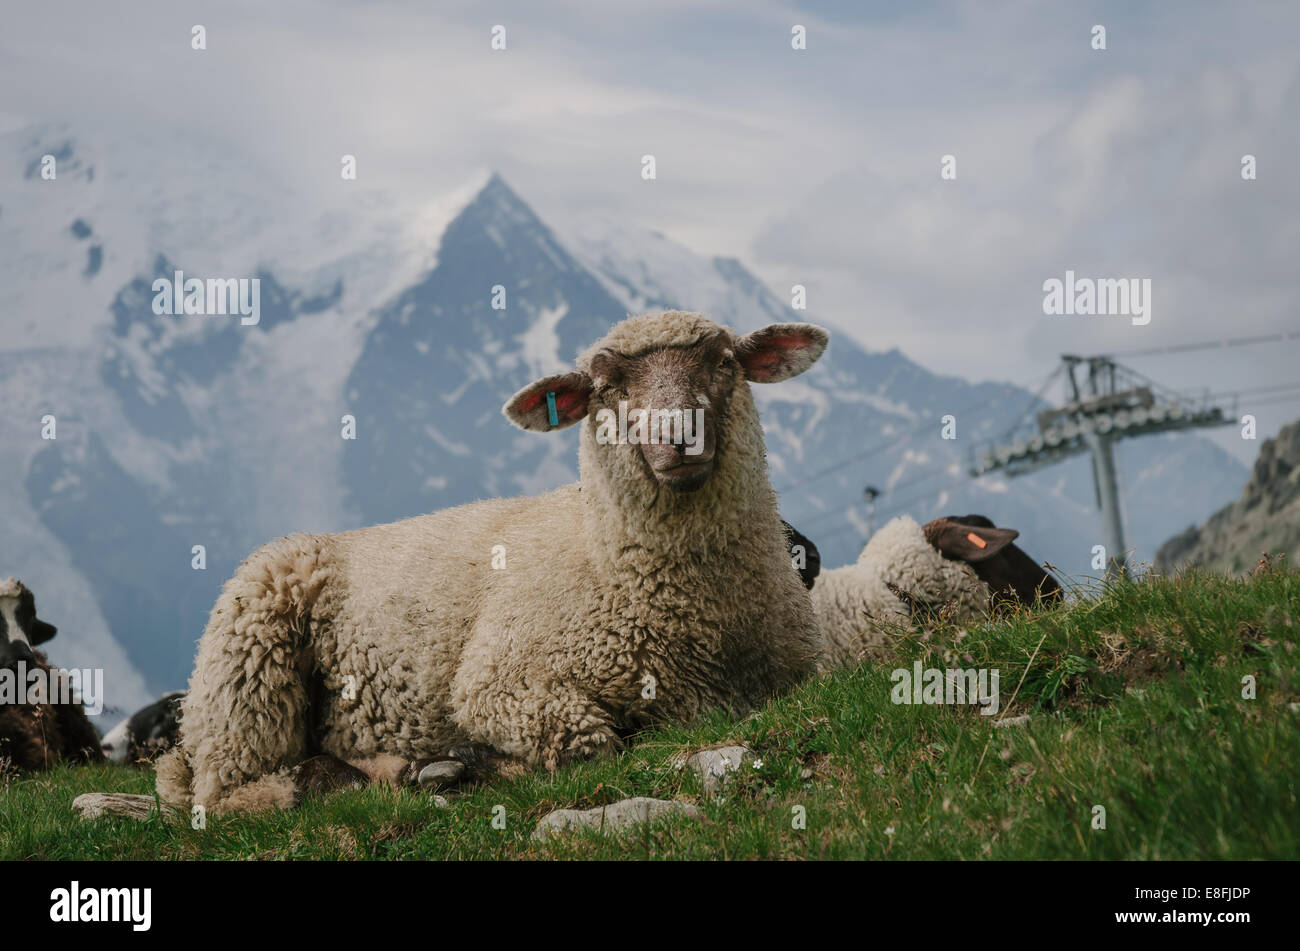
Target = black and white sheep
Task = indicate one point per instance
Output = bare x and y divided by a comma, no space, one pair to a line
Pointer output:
147,733
36,735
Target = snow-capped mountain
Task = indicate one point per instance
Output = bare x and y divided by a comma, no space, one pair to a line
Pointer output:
179,432
169,432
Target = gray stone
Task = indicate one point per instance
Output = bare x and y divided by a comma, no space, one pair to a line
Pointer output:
716,766
614,817
93,805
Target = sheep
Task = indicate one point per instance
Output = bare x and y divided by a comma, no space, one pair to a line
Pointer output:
1011,575
966,565
804,556
545,629
36,735
146,733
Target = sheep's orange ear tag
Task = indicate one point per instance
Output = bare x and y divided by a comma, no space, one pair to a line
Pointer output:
976,540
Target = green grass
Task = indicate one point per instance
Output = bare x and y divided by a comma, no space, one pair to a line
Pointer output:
1136,701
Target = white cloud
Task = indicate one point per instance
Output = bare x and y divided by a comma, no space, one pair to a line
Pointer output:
818,167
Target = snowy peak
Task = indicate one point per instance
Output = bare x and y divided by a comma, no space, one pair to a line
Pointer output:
505,303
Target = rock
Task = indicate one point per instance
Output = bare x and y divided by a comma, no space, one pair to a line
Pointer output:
1266,518
445,772
93,805
613,818
716,766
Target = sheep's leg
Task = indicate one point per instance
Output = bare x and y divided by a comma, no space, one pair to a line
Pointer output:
324,773
244,721
483,762
541,725
575,729
464,764
398,771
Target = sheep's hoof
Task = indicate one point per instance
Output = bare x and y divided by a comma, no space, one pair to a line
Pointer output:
480,759
325,773
470,762
439,774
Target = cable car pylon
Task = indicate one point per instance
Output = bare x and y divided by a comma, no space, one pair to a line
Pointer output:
1111,403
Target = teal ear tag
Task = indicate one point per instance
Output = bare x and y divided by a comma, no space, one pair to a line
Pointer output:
550,405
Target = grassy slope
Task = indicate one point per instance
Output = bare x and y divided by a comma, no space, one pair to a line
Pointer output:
1136,703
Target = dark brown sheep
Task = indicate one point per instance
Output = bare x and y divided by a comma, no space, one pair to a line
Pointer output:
36,736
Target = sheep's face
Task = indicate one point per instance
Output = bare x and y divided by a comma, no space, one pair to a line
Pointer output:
20,628
667,406
147,731
1009,573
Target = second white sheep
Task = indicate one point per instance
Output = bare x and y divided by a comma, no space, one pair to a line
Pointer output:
965,565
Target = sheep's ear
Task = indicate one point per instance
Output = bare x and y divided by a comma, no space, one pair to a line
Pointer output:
530,408
42,632
780,351
811,559
971,543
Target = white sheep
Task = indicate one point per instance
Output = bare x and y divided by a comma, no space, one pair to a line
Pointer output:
965,565
657,587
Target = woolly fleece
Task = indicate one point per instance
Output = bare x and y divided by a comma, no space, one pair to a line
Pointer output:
855,607
402,639
36,736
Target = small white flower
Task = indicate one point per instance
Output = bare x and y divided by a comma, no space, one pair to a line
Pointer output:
758,764
889,830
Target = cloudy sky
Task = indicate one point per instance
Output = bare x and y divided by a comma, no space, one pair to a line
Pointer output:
818,167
